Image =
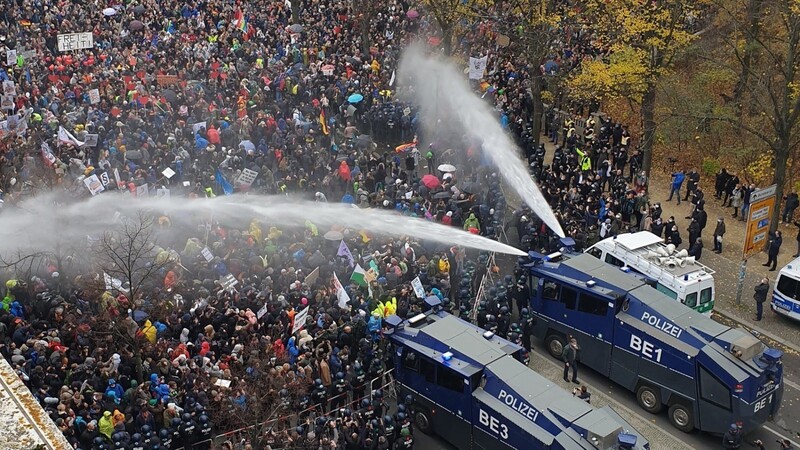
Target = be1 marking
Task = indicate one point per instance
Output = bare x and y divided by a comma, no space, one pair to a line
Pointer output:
761,404
645,348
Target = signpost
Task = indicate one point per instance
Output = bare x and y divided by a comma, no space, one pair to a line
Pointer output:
759,215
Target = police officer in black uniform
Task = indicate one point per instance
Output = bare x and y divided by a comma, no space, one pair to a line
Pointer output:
203,433
339,390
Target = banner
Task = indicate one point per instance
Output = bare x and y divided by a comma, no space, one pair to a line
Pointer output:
312,277
117,177
94,185
247,177
66,137
227,187
419,291
75,41
341,294
113,283
477,66
300,320
47,155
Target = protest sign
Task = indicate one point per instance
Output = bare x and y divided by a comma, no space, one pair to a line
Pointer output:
94,185
75,41
247,177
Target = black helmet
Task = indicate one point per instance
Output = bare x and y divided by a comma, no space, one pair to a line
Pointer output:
401,417
320,421
504,310
145,429
299,430
401,408
524,311
163,434
374,423
198,408
340,375
409,400
348,412
387,419
378,393
186,417
508,278
98,441
357,366
176,422
365,403
284,392
317,382
203,419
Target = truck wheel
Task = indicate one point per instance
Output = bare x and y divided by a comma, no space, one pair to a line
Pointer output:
423,422
680,416
555,345
648,399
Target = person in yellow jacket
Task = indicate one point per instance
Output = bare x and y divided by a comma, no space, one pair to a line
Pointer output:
149,331
584,160
380,309
390,307
106,425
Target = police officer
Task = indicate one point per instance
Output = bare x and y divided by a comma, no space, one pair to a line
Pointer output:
204,433
732,439
389,430
378,404
319,395
405,441
136,442
482,314
503,321
358,382
147,435
188,430
175,431
527,329
339,390
166,438
367,412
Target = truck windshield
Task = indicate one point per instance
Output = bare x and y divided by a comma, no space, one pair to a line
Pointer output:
691,300
789,287
705,296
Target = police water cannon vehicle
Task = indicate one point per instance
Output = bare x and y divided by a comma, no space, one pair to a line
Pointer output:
706,374
470,388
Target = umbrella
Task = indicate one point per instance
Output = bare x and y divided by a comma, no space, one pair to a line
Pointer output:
334,235
355,98
170,95
109,11
136,25
247,145
139,315
412,14
139,9
353,60
363,140
133,154
296,28
550,66
447,168
471,187
442,195
350,110
430,181
299,66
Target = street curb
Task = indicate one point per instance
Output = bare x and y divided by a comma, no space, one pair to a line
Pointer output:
730,316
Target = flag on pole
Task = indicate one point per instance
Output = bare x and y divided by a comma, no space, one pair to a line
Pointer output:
341,294
359,276
66,137
226,186
323,123
345,252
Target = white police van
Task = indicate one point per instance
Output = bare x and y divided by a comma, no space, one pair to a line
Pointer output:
673,273
786,295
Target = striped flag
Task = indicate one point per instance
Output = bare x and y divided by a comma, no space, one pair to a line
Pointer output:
323,122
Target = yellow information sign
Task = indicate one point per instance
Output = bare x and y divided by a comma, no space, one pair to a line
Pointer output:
762,202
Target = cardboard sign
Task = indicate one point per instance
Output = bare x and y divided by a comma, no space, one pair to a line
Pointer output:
94,96
94,185
247,177
7,102
223,383
168,172
90,140
196,127
9,88
229,282
166,80
11,57
75,41
262,312
207,254
162,193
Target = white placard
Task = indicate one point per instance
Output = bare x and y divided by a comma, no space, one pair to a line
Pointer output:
94,96
187,184
262,312
223,383
11,57
247,177
477,66
168,172
162,193
207,254
94,185
90,140
419,291
75,41
104,178
196,127
300,320
9,88
229,282
7,102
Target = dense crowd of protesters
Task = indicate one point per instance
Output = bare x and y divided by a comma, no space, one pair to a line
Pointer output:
196,98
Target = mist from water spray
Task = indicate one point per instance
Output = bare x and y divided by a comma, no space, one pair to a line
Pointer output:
41,223
441,90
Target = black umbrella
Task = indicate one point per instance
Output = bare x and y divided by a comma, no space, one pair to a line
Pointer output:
170,95
296,28
139,9
471,187
363,140
442,195
353,60
136,25
133,155
299,66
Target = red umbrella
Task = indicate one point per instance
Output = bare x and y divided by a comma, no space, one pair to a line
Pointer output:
412,14
430,181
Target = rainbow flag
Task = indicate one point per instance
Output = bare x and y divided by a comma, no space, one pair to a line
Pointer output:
240,21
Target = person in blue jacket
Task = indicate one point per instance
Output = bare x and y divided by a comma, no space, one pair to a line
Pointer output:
677,181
